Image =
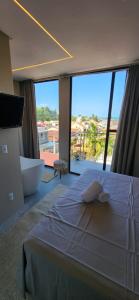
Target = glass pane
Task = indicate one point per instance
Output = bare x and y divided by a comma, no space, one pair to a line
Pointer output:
90,102
47,110
111,143
119,89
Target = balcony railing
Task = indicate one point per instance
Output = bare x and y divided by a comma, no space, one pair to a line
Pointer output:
87,150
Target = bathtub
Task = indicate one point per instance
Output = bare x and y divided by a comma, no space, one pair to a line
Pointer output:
31,170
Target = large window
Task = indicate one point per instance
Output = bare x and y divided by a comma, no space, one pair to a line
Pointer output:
47,110
116,104
95,111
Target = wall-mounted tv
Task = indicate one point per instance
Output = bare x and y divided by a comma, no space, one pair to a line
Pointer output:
11,111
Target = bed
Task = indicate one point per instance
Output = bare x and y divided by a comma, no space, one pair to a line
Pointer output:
86,251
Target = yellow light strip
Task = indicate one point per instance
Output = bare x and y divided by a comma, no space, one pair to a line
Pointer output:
41,64
42,27
49,34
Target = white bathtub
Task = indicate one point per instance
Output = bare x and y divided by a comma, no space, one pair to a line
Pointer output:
31,170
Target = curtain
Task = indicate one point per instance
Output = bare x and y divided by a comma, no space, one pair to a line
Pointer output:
124,156
29,129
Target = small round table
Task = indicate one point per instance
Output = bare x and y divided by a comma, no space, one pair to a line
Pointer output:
59,166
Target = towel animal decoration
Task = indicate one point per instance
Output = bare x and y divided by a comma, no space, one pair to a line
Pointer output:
94,192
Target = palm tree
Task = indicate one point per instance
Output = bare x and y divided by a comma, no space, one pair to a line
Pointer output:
112,138
91,140
95,143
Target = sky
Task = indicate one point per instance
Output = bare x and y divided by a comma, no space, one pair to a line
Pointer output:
90,94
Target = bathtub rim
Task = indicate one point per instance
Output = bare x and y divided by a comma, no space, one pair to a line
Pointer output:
32,163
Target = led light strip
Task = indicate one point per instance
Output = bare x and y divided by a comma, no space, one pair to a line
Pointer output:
46,32
41,64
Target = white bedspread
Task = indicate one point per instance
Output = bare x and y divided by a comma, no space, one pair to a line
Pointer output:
102,237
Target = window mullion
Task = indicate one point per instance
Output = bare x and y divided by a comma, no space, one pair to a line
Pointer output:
109,120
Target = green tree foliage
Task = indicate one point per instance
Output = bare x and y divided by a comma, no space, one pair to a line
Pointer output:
46,114
95,118
96,142
73,118
112,138
84,118
91,142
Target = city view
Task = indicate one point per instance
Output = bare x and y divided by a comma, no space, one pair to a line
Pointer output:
88,120
48,132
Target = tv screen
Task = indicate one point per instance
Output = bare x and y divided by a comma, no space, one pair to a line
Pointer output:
11,111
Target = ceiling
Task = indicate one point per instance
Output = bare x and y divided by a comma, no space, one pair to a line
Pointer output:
96,34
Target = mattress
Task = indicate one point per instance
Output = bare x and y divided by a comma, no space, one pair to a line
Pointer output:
86,251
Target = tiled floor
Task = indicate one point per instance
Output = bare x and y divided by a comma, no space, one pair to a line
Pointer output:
43,189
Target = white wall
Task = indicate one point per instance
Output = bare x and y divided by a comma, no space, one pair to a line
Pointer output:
6,82
16,87
17,93
10,175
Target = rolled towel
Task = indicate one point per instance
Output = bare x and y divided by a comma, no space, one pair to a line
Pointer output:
92,192
103,197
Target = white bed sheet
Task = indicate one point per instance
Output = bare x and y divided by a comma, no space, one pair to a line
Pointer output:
102,237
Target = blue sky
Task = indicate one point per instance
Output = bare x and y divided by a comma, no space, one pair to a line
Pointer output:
90,94
47,94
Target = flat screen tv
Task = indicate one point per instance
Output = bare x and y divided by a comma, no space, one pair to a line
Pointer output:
11,111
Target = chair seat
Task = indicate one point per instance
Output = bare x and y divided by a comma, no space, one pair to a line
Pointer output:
60,165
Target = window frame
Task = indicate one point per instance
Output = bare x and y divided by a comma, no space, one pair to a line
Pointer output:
43,81
108,129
